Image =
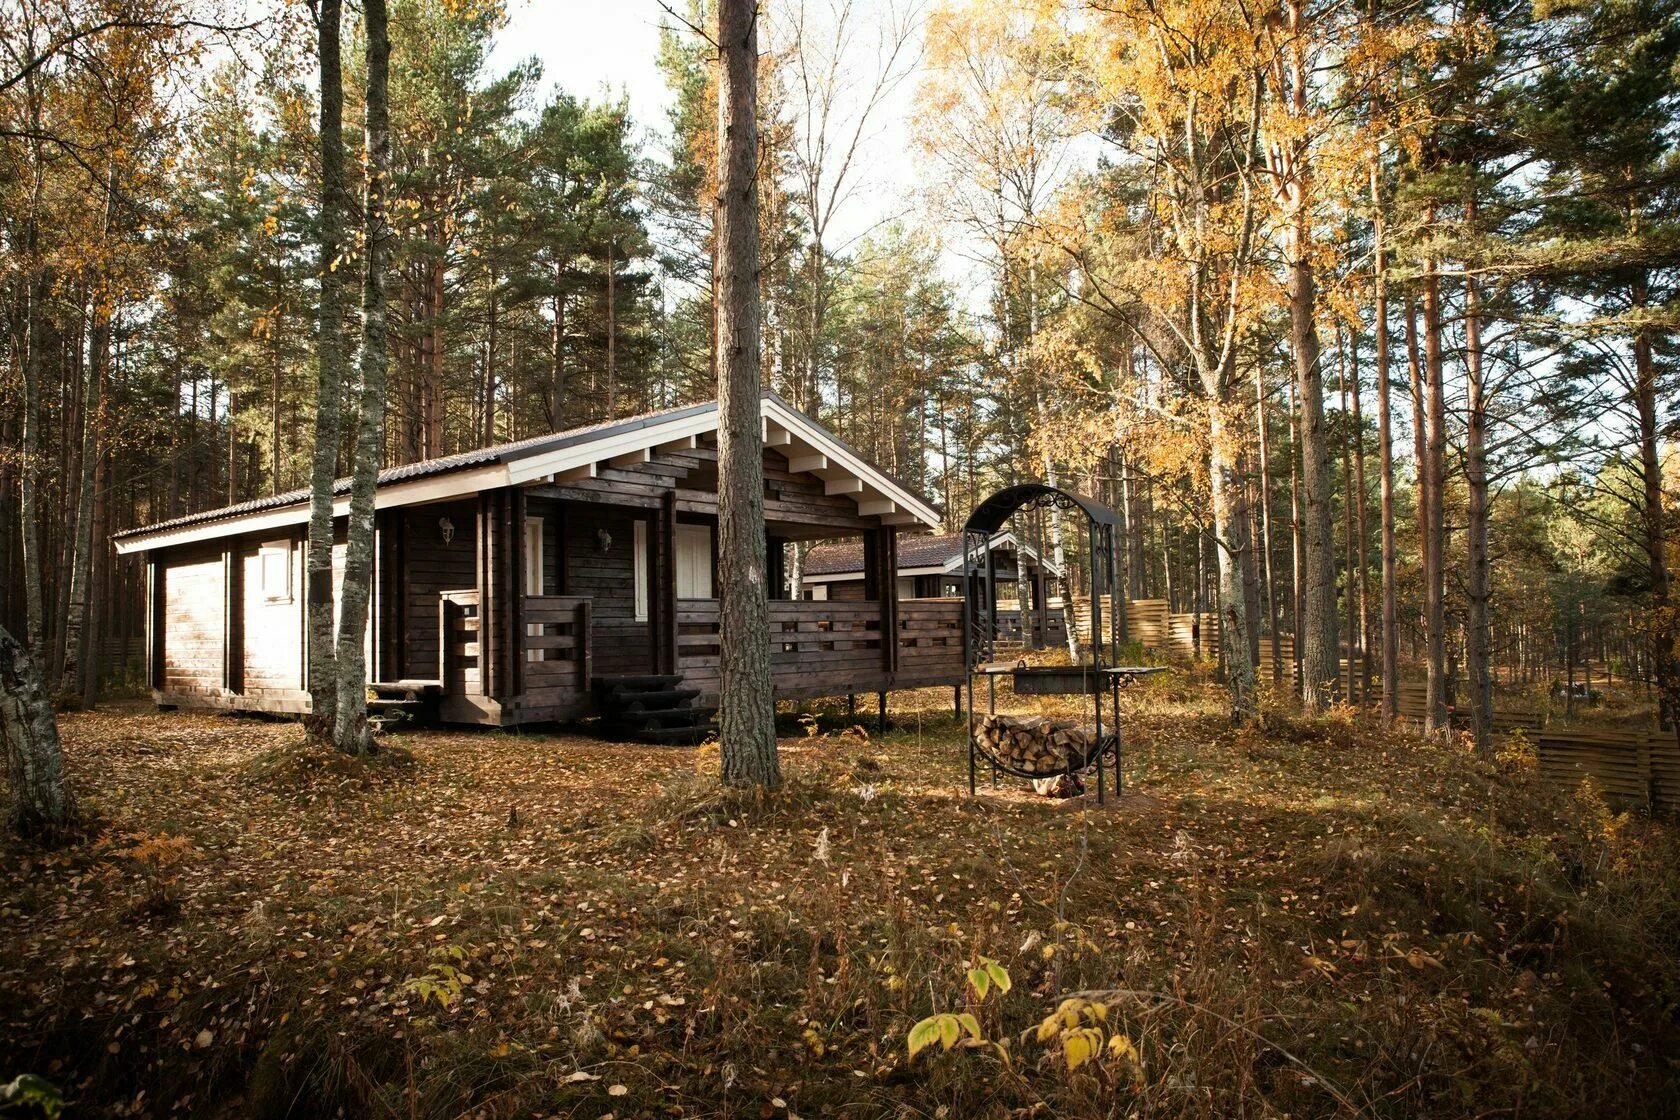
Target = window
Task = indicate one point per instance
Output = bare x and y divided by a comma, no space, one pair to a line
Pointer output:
640,566
274,564
533,556
534,577
694,562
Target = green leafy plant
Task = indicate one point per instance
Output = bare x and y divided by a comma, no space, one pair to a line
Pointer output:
947,1028
444,982
27,1093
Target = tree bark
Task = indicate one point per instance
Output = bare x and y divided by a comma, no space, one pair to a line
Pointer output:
329,381
1320,655
1390,708
747,719
73,672
1231,543
1478,636
1663,659
41,805
1435,465
1269,573
351,733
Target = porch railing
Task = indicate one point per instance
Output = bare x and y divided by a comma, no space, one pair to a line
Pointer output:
554,648
827,648
459,661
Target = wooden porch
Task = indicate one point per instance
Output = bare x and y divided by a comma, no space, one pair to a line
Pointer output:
816,649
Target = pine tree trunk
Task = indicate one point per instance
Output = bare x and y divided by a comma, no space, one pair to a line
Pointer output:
1434,464
1385,466
557,356
351,731
1478,639
747,717
41,807
1663,658
1270,572
1320,655
1362,495
329,382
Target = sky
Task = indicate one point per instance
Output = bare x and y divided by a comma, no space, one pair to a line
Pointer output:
596,47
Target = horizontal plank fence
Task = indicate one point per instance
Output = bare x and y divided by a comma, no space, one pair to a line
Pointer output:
1631,768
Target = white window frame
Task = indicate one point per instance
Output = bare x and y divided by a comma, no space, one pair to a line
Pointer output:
639,565
694,532
279,552
533,577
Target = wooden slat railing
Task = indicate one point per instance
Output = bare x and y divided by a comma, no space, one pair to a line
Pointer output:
555,644
828,648
459,664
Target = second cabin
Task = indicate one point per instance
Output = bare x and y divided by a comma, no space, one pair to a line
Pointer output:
562,576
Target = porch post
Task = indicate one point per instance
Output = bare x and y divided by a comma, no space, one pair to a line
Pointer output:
888,580
666,655
513,680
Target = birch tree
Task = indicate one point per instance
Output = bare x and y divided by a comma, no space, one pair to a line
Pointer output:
329,382
350,733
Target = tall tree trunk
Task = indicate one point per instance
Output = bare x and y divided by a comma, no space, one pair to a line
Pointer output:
1350,597
81,571
1663,654
351,731
41,805
1362,495
1296,589
1321,654
1231,544
1269,573
747,720
329,381
557,356
490,340
1478,637
1385,464
612,332
1435,465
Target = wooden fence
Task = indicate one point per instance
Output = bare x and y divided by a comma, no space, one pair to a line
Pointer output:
1632,769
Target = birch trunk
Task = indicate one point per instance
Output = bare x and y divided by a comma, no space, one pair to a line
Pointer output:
40,807
1231,544
1319,655
747,718
351,731
329,381
73,673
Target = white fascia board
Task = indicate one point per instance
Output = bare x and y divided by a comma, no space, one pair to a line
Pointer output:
842,457
452,485
605,450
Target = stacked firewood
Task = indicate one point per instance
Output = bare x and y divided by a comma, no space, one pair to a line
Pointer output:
1033,744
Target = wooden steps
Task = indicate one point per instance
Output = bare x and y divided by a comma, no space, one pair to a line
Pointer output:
651,709
407,701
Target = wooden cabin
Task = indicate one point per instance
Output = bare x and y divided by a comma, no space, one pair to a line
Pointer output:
516,584
931,567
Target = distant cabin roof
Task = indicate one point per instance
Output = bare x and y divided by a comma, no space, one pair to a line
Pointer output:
938,552
559,453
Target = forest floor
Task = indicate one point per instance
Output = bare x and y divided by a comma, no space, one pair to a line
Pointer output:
1317,919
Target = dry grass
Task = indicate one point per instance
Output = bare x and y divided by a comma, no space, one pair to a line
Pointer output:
1315,921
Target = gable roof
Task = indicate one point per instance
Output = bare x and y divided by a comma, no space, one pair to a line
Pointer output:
920,555
809,446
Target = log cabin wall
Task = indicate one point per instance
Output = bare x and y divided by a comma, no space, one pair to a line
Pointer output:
604,570
429,568
194,586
